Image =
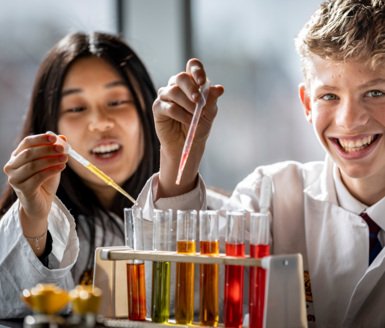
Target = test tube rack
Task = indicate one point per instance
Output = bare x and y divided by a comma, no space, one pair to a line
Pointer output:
284,300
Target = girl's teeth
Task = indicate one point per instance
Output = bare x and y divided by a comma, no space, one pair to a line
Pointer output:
105,149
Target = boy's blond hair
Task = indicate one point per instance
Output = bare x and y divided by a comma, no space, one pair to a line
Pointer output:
345,30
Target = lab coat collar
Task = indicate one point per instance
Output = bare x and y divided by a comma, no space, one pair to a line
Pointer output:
323,188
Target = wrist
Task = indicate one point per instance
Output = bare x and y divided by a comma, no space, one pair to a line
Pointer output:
169,165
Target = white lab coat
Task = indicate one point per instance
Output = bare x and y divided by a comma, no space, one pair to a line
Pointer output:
308,220
21,269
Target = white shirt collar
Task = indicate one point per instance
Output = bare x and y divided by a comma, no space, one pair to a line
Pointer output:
348,202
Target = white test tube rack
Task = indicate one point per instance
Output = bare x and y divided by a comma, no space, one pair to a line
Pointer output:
284,299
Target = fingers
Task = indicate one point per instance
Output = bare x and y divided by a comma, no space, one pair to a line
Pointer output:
35,158
179,98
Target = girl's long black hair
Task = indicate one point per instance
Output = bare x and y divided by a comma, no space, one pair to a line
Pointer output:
43,115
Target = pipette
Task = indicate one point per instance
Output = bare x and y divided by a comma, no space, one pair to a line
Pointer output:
90,167
191,131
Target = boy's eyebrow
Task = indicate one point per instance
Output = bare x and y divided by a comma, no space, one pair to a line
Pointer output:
373,82
78,90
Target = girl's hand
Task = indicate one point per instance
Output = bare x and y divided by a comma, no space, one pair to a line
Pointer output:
34,173
173,110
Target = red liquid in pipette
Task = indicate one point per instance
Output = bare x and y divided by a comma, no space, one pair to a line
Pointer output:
257,287
233,312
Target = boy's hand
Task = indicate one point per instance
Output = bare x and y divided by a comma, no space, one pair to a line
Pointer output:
173,110
34,173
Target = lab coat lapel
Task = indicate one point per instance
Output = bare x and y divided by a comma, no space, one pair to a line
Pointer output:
333,236
371,284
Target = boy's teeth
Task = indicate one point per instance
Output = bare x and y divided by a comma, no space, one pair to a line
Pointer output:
355,145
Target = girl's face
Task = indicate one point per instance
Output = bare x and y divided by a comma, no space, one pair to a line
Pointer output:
99,119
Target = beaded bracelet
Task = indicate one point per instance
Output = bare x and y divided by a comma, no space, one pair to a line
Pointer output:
36,239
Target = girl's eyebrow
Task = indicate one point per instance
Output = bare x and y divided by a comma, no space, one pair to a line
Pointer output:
78,90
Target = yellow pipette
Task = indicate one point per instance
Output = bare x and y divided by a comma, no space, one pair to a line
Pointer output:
92,168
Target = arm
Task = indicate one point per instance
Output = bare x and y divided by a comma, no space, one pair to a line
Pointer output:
19,266
173,110
34,173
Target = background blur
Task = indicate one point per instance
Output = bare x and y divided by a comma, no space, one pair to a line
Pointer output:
248,46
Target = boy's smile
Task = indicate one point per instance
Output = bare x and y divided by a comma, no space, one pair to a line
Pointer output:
345,102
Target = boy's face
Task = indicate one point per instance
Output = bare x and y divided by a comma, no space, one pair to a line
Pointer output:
345,102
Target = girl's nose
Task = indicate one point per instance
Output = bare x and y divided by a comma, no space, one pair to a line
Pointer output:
101,123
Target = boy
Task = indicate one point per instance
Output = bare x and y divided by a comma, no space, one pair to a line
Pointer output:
319,209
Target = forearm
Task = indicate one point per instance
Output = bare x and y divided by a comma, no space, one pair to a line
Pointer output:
35,231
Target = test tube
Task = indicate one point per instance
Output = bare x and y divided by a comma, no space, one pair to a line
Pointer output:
161,271
259,247
208,273
184,289
136,288
234,280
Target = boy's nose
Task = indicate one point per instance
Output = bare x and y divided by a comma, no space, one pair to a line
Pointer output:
351,115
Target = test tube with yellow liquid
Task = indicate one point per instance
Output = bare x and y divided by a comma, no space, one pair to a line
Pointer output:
208,273
184,289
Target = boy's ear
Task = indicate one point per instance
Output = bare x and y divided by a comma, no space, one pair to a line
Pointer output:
305,100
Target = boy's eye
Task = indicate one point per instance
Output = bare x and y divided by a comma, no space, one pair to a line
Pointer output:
329,96
375,93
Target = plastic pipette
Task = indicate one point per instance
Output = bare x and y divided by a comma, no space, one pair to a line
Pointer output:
92,168
191,131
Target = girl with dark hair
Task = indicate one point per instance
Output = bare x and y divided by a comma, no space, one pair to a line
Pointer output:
94,90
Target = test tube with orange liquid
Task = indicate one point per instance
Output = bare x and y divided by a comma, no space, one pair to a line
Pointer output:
136,284
208,273
184,288
259,247
234,280
161,271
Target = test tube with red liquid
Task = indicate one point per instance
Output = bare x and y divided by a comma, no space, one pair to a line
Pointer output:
161,271
234,280
259,247
184,288
136,284
208,273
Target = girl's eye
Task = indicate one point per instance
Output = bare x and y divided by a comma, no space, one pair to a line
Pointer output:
118,102
329,96
375,93
75,109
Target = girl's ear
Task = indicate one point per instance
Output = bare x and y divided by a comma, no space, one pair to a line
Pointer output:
305,100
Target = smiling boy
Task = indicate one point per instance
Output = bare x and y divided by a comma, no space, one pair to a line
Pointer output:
319,209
